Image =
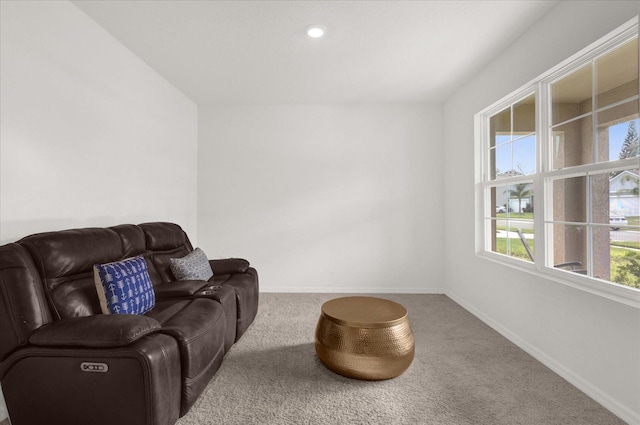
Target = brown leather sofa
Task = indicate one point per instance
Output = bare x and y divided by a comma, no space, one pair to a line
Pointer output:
64,362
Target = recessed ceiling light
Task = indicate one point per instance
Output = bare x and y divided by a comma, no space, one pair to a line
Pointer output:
316,31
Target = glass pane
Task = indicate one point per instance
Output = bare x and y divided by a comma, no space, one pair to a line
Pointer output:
520,201
617,74
520,234
500,126
624,201
624,267
492,201
571,96
514,239
570,247
500,240
524,116
573,143
600,198
502,165
524,155
618,140
601,252
499,198
569,200
624,233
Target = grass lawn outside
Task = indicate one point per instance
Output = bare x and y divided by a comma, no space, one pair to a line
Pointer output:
625,255
517,249
625,266
625,262
634,221
627,244
514,229
517,216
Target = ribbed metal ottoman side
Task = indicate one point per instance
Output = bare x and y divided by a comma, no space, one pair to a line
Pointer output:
364,338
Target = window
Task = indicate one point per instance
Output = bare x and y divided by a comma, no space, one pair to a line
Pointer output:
560,174
509,189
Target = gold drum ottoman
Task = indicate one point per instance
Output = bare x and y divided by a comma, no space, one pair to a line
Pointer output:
364,338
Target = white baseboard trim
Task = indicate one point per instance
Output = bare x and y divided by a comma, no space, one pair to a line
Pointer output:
618,409
343,290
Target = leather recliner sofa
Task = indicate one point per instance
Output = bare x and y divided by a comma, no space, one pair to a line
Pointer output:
62,361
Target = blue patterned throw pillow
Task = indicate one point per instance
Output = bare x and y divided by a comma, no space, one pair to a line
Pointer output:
193,266
124,287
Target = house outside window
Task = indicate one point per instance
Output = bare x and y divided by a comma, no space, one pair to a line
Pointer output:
559,171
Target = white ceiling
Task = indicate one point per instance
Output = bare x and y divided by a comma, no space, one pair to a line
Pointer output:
257,52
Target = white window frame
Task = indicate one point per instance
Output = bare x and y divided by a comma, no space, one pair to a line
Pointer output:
543,177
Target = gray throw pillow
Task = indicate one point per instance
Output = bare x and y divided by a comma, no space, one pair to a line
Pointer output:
193,266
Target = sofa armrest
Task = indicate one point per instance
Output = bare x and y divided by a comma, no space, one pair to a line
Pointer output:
229,266
179,288
144,377
103,330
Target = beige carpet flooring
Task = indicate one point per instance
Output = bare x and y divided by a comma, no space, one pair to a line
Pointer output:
463,373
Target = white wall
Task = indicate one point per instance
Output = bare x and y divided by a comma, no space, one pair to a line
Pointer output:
325,198
91,135
591,341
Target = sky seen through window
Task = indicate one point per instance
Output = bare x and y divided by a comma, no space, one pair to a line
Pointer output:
520,155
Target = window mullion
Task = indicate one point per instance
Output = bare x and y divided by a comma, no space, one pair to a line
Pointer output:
594,156
589,210
594,107
542,150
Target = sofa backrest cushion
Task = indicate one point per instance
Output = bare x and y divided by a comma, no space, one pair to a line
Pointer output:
23,304
65,260
164,236
132,239
164,241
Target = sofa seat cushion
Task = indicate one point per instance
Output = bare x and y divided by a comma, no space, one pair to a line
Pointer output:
225,295
198,325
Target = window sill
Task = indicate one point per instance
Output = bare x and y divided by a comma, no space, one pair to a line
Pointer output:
612,291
